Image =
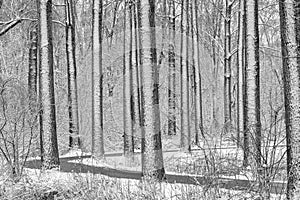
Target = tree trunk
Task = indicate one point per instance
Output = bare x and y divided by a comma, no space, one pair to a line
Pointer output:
32,83
252,105
227,67
152,159
240,72
198,74
246,145
172,73
195,74
74,141
289,27
127,88
137,61
47,99
184,64
33,71
97,82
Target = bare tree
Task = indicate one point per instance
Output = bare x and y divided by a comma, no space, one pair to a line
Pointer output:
184,72
289,27
97,82
227,63
127,85
252,104
74,141
50,157
240,71
152,159
172,72
198,72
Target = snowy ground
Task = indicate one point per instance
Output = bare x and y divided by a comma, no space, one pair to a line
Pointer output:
160,190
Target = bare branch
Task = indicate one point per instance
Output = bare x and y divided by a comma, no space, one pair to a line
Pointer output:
10,26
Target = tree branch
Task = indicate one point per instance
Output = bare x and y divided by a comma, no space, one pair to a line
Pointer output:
10,26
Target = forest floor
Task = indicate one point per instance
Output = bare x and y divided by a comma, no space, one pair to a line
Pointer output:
208,172
184,171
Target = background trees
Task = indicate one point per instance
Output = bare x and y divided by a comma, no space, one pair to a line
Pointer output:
155,62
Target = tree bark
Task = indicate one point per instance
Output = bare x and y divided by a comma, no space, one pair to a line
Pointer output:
240,72
74,141
127,87
152,158
198,74
252,114
246,145
184,64
172,72
227,67
289,27
46,90
97,82
33,70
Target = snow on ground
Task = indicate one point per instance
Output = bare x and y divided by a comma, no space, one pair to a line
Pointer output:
160,190
74,153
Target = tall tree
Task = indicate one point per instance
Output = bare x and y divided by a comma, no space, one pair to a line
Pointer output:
33,69
131,74
246,135
184,72
74,141
137,61
198,72
252,104
127,85
33,78
240,71
289,27
50,157
172,72
195,74
227,63
97,81
152,159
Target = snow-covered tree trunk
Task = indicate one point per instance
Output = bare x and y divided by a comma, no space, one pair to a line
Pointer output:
131,76
198,72
252,78
97,82
33,70
195,74
137,61
240,71
185,141
289,27
172,73
74,141
246,145
127,87
152,158
50,157
227,63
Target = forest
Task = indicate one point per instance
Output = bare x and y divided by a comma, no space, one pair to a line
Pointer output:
150,99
